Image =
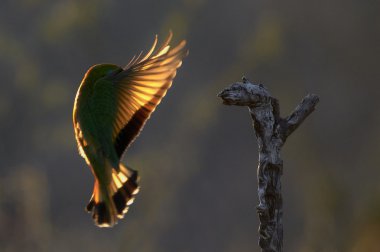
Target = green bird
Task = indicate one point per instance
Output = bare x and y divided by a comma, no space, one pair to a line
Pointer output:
110,109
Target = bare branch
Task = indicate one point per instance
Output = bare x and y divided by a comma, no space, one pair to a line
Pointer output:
271,132
300,113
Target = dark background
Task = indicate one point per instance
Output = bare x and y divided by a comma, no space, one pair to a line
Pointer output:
197,158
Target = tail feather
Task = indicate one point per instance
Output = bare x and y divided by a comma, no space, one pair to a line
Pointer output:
120,194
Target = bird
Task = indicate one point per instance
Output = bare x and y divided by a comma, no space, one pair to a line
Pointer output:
111,107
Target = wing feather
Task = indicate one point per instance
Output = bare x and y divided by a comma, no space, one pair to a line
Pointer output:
140,88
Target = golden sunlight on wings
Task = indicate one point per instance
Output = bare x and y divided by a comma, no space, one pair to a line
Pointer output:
140,88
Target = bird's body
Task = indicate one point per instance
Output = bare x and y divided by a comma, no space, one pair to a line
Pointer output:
110,109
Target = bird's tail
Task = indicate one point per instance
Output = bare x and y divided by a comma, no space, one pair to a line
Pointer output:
109,204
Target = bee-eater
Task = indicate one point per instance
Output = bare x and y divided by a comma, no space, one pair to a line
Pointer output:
110,109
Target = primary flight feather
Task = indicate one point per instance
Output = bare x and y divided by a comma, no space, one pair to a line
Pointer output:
110,109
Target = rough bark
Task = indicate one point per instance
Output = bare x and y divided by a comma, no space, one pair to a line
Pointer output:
271,131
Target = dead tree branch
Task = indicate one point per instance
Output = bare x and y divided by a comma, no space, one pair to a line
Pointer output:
271,131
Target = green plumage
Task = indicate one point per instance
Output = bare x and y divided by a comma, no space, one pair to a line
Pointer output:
110,109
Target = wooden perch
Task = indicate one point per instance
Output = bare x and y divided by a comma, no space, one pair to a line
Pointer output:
271,131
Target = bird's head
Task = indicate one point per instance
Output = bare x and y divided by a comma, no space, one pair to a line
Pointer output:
102,70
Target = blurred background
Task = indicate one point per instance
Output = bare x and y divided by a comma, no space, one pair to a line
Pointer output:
197,158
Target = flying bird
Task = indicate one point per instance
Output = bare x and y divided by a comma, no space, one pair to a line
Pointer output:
111,107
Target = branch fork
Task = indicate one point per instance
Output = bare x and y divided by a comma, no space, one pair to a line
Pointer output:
271,132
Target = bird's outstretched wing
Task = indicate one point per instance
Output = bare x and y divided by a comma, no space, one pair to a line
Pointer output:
140,87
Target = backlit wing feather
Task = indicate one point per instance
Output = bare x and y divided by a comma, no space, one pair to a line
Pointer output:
140,87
